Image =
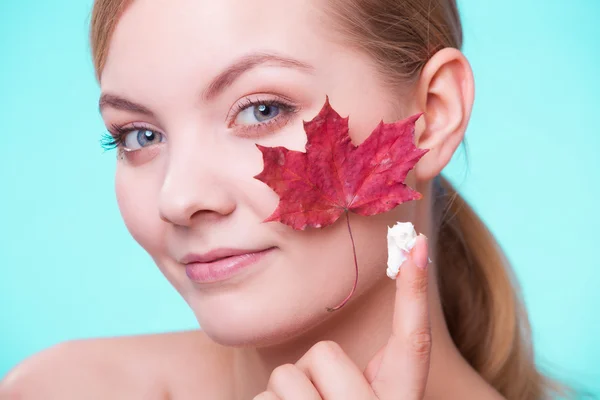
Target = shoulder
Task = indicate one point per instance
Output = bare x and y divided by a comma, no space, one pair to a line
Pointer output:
145,367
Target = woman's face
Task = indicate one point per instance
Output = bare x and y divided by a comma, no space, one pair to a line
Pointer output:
209,79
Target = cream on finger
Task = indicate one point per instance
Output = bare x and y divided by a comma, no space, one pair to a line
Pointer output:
401,238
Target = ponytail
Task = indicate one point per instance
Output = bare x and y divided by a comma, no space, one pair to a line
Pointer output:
481,301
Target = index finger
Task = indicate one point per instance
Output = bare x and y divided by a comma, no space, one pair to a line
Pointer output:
404,367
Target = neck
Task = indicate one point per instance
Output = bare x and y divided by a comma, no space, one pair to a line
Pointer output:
361,328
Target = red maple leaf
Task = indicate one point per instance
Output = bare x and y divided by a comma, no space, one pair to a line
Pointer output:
334,176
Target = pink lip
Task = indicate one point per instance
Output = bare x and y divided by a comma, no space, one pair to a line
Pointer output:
220,264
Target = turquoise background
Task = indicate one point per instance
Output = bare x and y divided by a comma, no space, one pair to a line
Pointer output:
69,269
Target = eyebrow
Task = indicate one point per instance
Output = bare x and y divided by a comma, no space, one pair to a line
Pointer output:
217,85
246,63
119,103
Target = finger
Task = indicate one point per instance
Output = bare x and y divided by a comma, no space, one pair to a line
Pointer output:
404,365
372,368
267,396
290,383
334,374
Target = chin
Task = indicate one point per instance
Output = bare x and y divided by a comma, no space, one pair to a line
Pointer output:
253,326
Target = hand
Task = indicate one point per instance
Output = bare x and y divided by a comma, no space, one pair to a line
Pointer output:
398,371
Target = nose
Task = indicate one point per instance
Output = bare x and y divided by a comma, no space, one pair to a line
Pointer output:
194,187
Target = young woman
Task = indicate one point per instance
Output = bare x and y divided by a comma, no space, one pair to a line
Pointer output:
188,89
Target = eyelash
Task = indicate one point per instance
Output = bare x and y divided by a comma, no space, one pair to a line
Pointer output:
115,137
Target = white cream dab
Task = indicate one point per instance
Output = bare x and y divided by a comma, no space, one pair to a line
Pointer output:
401,238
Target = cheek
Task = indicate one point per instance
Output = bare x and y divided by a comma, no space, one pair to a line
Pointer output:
138,204
261,200
244,162
320,262
327,260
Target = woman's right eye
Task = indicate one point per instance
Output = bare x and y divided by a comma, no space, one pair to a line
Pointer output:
136,139
130,139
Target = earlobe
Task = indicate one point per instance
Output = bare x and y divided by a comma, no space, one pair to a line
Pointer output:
445,93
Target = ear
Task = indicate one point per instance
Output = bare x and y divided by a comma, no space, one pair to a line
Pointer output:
445,93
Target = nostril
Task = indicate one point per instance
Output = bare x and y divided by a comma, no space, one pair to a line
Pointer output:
192,192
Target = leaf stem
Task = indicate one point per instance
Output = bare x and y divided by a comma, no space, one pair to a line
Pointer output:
355,268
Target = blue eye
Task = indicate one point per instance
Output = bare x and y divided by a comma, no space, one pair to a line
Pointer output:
130,139
138,138
264,112
257,113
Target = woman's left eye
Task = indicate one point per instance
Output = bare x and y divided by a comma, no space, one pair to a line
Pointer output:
258,113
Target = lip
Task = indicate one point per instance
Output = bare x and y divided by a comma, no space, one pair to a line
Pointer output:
220,264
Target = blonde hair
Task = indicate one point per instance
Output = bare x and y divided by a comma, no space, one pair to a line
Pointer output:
480,298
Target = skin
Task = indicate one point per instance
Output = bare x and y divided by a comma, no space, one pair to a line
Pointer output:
265,331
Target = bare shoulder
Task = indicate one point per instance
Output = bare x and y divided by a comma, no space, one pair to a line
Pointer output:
165,366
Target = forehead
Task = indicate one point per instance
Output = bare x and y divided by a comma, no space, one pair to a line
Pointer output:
193,38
